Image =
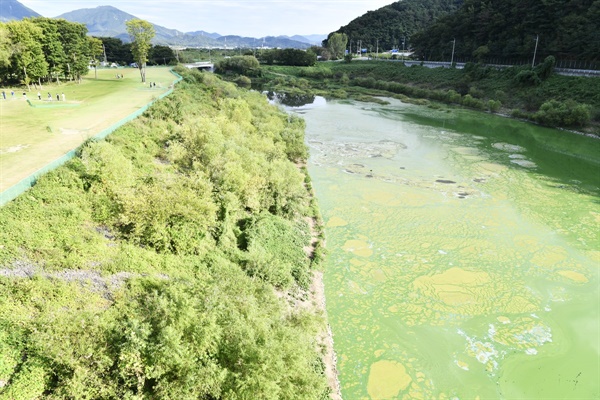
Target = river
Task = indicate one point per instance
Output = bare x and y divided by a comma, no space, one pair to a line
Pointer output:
463,252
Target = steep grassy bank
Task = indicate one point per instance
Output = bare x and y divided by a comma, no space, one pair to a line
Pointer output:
549,99
152,266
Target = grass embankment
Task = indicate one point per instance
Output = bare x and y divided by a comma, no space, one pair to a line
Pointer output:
31,137
153,265
505,91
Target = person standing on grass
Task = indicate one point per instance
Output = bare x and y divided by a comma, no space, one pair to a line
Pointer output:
49,97
39,96
4,95
57,97
64,98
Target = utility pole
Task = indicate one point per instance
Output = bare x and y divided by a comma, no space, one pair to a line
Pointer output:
453,45
403,43
537,38
377,57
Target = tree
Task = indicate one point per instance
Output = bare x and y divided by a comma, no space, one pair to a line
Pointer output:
161,55
5,47
337,45
95,50
27,60
245,65
117,51
52,46
75,44
141,33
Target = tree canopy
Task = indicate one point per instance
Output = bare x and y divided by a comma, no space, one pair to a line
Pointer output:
43,48
567,29
336,43
390,25
141,33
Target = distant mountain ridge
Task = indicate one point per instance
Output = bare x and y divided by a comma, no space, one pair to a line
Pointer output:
213,35
110,21
13,10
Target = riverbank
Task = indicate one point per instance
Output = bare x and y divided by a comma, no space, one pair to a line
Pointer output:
557,101
154,260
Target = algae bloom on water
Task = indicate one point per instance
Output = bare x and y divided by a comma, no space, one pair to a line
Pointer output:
463,252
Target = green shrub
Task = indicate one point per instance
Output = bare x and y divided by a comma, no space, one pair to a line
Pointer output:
568,113
339,94
494,105
244,65
243,81
470,101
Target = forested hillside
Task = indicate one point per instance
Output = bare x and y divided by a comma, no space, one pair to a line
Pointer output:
567,29
160,263
392,24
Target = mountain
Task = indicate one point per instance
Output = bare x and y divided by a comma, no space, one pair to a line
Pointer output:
110,21
510,30
203,33
232,41
12,9
312,39
389,26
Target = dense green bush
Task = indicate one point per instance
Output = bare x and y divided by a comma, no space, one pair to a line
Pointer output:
156,257
243,65
470,101
292,57
494,105
568,113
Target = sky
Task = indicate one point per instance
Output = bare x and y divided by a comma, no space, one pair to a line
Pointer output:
253,18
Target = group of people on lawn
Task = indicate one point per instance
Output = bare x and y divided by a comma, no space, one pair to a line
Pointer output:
39,95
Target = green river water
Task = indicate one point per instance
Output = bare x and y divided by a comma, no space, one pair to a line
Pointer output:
463,252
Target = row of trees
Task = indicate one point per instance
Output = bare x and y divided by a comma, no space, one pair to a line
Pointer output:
293,57
36,49
45,48
120,53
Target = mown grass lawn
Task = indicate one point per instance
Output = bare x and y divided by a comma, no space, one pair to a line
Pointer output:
31,137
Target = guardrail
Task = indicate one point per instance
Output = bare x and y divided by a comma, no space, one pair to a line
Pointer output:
461,65
25,184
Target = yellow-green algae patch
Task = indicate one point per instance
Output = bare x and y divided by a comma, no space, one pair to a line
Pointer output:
358,247
454,287
460,292
387,379
574,276
336,222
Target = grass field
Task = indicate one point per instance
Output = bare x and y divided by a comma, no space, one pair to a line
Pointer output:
33,136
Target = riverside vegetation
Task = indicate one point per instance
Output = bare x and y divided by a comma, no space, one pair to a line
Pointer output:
536,94
161,262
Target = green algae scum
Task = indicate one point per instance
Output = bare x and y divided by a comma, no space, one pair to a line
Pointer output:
463,253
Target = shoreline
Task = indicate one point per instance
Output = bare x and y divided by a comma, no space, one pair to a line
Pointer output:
325,339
